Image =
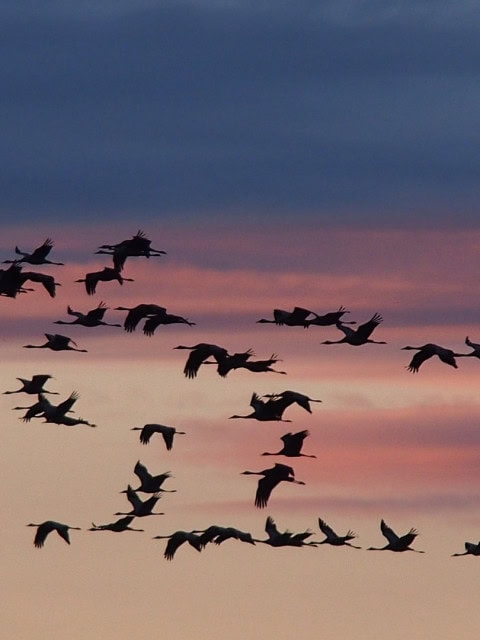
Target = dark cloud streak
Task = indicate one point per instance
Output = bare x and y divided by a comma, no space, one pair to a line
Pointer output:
185,107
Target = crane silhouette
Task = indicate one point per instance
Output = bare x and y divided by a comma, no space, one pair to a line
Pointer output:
242,361
140,508
56,342
93,318
360,335
285,538
292,445
44,408
135,314
328,319
475,346
199,353
296,318
108,274
293,397
35,409
176,539
333,538
471,549
273,408
155,321
13,279
218,534
69,421
271,478
123,524
395,542
37,256
265,410
148,482
35,385
228,362
44,528
57,414
167,432
48,282
262,366
137,245
427,351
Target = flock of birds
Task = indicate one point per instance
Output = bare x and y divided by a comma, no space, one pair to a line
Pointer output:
268,407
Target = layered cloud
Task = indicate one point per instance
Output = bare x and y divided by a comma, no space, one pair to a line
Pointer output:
238,107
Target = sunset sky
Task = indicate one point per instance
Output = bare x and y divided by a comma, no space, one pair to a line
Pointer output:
311,154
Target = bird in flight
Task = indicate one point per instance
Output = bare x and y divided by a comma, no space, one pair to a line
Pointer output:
475,346
123,524
148,482
218,534
274,407
395,542
296,318
37,256
13,279
107,274
262,366
271,478
265,410
154,321
48,282
175,540
167,432
137,245
292,445
140,508
135,314
471,549
242,361
328,319
427,351
333,538
285,538
35,385
293,397
199,353
54,413
44,528
56,342
93,318
360,335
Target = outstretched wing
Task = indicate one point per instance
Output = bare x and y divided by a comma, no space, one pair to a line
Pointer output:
409,537
324,528
67,404
141,471
41,252
389,533
271,527
98,312
364,330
